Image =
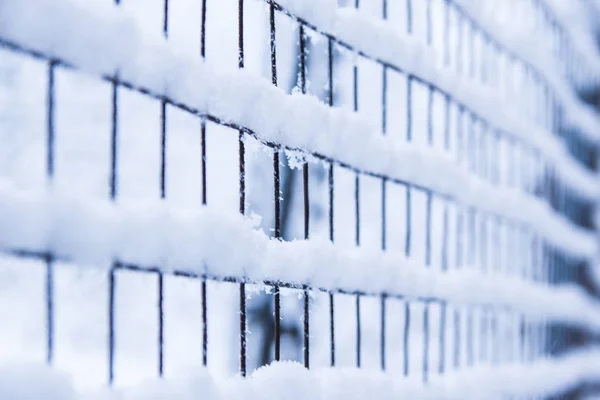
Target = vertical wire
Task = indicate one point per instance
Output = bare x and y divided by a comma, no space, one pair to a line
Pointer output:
471,148
514,318
522,320
471,51
306,327
442,338
407,243
383,248
273,43
276,290
331,209
471,260
204,193
358,327
163,169
425,341
203,29
113,195
276,189
204,323
357,215
457,313
408,197
49,309
242,182
486,257
50,175
482,315
406,336
384,73
163,193
446,32
383,328
305,176
111,274
484,58
409,107
166,18
383,196
408,192
409,17
409,77
113,142
111,324
406,302
460,134
358,332
161,330
428,212
384,80
447,123
495,330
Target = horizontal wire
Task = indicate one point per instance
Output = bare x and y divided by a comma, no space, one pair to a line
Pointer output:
127,266
182,106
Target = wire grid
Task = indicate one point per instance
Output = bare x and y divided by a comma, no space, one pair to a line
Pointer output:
478,147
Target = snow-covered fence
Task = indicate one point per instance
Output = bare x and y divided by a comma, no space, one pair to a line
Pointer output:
399,186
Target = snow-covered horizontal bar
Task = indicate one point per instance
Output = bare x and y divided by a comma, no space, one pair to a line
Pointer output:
381,40
404,51
106,41
201,240
577,113
540,379
572,16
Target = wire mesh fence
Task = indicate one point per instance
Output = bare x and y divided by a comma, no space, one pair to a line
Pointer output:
318,195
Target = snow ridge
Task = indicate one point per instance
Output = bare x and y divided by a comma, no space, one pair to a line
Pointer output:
300,122
95,232
289,380
578,115
412,56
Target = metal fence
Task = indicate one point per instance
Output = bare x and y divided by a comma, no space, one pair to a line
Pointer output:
468,235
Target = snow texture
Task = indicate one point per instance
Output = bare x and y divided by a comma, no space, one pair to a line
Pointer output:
528,48
412,56
88,231
70,32
24,381
287,380
572,16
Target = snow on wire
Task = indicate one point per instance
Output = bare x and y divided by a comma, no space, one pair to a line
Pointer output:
142,234
539,379
547,305
299,122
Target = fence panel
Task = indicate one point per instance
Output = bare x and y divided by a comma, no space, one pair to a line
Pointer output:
422,186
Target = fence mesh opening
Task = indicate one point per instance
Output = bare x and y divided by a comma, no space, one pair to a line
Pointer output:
395,219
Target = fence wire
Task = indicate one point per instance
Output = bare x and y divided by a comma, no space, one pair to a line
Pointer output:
469,236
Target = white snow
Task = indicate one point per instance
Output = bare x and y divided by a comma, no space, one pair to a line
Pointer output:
412,56
529,48
296,121
77,223
286,380
27,381
90,231
575,18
